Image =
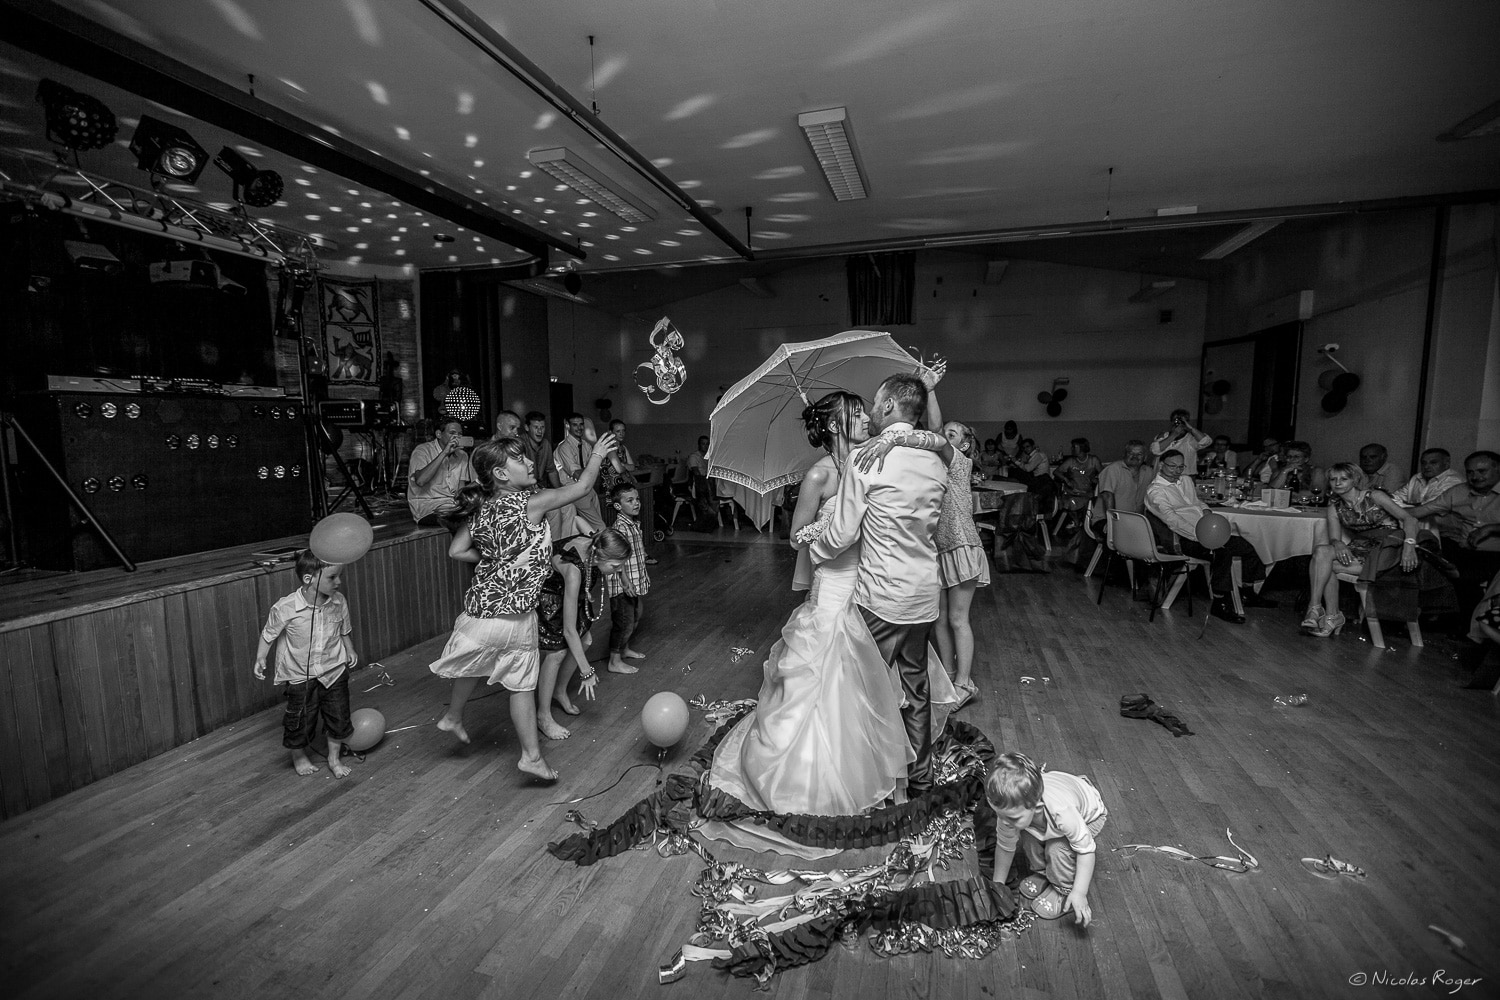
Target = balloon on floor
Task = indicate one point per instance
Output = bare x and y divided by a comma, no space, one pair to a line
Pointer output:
369,729
665,718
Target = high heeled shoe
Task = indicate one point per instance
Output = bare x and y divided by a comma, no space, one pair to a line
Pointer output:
1314,618
1329,625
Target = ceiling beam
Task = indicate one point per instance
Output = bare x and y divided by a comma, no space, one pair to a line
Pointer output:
54,33
494,45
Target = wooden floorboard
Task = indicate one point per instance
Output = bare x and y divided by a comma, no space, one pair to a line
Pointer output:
212,870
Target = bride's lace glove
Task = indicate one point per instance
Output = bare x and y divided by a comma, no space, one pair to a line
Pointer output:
872,453
809,533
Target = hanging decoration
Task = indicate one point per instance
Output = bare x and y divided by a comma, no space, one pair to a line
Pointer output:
1214,390
664,373
1053,400
1336,385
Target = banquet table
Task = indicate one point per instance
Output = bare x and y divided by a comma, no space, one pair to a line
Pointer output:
758,507
1278,534
988,505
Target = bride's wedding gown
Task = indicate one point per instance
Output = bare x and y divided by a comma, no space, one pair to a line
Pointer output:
826,737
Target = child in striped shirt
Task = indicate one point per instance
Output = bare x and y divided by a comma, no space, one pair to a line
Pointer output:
627,588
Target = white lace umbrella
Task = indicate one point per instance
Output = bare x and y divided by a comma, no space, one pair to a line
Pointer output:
756,433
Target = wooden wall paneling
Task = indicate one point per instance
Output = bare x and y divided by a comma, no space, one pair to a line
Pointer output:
187,712
207,679
230,615
78,660
153,661
18,729
79,764
34,649
126,717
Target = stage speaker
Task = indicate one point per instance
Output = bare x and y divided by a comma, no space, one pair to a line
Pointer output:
167,474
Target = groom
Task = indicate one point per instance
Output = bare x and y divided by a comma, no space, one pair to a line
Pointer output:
893,510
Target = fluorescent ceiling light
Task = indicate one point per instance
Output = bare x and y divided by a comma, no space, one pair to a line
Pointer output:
1486,122
1254,231
827,132
1155,290
569,168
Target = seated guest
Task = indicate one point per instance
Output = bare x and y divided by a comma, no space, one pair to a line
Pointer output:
1173,498
437,471
989,460
1122,484
1433,479
1263,466
1220,452
1380,473
1360,521
1183,438
1079,472
507,425
1298,473
1468,519
537,448
1009,441
1031,460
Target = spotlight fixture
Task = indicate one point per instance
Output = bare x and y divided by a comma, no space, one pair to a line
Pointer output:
252,186
571,169
167,150
832,144
76,120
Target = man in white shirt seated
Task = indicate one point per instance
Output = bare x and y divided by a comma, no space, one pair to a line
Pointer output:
1380,472
1173,498
437,471
1435,478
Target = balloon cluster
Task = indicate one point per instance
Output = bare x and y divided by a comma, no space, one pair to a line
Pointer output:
1053,400
664,373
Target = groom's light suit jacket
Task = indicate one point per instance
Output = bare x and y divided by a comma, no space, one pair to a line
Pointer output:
894,511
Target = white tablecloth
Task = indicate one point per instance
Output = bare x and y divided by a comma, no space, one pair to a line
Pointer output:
757,506
1279,534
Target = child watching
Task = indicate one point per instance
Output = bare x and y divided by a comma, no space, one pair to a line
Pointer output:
313,660
627,587
1055,818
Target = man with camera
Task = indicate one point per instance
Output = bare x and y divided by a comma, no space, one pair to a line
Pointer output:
438,470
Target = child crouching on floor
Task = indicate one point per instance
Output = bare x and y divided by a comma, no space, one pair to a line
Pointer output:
1053,817
313,660
627,588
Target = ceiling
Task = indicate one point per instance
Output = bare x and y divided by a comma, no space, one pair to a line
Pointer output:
969,117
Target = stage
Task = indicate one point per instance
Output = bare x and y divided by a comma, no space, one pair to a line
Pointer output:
104,669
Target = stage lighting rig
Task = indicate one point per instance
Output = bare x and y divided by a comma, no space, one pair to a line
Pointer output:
76,120
166,150
252,186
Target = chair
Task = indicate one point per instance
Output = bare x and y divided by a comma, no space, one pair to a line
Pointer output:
682,496
1132,538
1096,512
1371,618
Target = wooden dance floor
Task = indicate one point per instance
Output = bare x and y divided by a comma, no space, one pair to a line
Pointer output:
212,870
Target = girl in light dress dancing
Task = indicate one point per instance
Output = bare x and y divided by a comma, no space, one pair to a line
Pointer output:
506,535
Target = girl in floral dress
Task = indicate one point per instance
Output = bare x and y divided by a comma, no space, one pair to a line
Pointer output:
506,536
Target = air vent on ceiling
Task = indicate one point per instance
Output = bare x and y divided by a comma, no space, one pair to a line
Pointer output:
828,133
571,169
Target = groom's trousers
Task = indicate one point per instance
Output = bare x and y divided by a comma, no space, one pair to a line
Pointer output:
904,649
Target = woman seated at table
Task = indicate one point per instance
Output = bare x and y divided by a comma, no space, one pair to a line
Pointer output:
1371,534
989,459
1298,473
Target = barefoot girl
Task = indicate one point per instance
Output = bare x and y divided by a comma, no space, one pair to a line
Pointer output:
506,535
569,605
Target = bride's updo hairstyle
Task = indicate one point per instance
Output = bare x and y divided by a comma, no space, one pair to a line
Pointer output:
833,410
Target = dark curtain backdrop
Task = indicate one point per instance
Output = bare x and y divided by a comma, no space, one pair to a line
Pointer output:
467,321
881,287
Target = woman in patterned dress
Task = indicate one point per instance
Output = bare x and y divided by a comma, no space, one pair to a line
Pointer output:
1360,521
506,536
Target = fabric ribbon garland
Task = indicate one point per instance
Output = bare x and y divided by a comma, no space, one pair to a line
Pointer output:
1244,863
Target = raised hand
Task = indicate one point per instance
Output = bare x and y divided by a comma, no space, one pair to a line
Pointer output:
607,445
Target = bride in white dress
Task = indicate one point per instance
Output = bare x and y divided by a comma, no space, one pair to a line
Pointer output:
826,737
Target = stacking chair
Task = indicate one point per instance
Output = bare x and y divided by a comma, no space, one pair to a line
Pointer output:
1103,547
1132,538
1372,619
